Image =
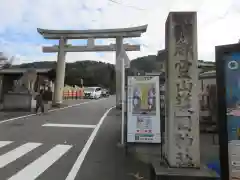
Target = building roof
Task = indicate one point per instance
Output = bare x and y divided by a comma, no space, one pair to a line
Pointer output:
208,74
205,64
162,55
93,33
22,70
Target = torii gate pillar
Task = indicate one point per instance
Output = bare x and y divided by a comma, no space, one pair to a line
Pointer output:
119,43
60,73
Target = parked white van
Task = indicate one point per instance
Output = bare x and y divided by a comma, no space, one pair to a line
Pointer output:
92,92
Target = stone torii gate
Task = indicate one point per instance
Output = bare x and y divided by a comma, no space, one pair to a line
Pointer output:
90,36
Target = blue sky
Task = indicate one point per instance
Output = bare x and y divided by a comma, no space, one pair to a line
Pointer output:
20,20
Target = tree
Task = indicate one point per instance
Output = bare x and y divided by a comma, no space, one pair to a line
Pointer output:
96,73
93,73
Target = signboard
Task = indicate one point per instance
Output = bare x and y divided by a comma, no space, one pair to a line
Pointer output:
143,122
228,92
232,81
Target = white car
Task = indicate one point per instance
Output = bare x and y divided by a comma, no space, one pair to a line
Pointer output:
92,92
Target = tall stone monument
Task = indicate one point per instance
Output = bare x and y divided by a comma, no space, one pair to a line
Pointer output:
181,147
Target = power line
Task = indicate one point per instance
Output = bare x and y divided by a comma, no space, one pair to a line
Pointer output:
221,17
216,19
134,7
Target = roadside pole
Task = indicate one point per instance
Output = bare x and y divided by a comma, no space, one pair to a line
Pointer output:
125,63
123,95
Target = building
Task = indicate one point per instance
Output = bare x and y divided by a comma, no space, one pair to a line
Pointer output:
202,65
18,86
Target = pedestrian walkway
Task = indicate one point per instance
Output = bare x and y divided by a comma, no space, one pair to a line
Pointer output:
12,154
10,114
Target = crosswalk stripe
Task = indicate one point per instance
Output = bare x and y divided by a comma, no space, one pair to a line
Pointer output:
13,155
4,143
36,168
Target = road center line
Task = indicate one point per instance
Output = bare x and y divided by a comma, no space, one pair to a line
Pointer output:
52,110
78,163
69,125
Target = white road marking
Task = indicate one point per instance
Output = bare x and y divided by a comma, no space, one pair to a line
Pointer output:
52,110
37,167
69,125
4,143
13,155
78,163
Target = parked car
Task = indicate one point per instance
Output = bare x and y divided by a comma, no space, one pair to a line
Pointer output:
105,93
92,92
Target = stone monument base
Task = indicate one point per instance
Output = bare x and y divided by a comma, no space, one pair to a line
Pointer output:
18,102
160,171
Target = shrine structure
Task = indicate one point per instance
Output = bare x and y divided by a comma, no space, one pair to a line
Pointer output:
90,36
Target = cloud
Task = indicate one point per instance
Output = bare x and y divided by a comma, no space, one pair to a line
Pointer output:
20,20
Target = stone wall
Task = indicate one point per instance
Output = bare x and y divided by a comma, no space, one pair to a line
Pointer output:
17,101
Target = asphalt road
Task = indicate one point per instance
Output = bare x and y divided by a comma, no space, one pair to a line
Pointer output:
51,146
